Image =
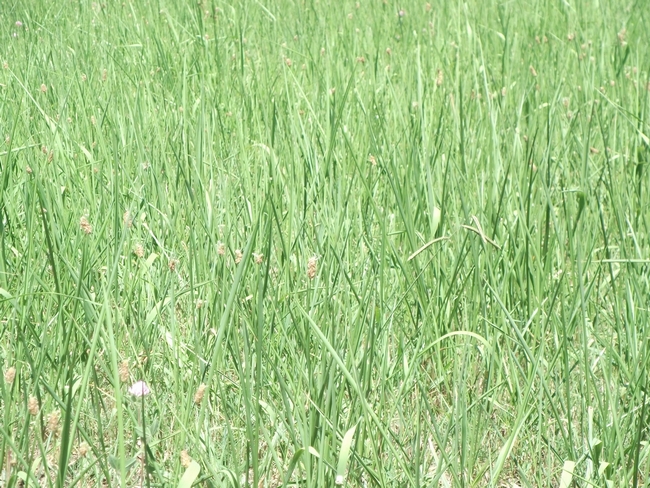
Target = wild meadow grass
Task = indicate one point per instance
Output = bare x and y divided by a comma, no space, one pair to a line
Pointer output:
372,244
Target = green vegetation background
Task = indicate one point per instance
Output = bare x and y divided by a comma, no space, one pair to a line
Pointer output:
424,222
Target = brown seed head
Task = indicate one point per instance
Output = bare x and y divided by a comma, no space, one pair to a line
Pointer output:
83,449
32,406
198,396
258,258
53,422
123,371
312,267
221,248
10,375
127,219
238,256
185,459
138,250
85,225
172,264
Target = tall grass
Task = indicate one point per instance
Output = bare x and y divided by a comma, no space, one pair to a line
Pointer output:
399,245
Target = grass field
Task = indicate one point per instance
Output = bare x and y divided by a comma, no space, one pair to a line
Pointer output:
372,244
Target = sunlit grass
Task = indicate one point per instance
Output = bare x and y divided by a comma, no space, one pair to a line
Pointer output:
362,243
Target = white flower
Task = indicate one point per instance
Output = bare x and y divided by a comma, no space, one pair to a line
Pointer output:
139,389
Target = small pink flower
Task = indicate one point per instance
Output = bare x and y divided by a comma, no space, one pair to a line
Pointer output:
19,23
139,389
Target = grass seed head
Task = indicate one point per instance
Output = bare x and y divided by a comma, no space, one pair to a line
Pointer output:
127,219
32,406
258,258
221,248
185,459
200,391
86,227
138,250
312,267
53,422
238,256
10,375
43,87
123,371
83,449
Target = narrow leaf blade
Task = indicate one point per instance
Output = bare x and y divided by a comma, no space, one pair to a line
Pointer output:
191,473
344,456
